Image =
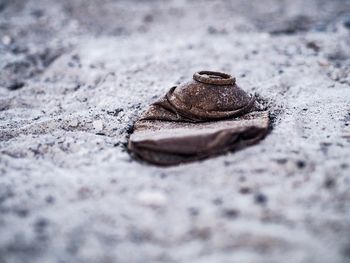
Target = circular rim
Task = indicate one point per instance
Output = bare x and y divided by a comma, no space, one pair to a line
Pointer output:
214,77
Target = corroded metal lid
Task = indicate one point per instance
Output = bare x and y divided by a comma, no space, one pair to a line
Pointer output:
211,95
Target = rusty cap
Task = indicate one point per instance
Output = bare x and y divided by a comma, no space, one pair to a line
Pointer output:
210,95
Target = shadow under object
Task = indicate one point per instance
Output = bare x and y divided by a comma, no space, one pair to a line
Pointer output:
204,117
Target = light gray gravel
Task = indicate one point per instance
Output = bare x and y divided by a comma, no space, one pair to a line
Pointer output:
75,75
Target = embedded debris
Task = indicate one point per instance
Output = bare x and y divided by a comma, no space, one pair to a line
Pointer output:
204,117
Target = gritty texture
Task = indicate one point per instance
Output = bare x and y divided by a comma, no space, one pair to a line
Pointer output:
74,77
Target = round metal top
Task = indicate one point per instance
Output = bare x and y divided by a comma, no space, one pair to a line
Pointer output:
214,78
210,95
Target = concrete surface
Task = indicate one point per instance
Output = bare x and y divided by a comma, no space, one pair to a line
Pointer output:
74,77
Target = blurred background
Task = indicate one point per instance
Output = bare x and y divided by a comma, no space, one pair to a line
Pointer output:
76,74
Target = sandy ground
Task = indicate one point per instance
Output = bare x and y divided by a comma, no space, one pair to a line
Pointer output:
75,75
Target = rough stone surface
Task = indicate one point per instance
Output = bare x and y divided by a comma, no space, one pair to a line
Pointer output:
74,77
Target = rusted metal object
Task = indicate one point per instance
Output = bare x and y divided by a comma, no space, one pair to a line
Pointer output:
209,96
206,116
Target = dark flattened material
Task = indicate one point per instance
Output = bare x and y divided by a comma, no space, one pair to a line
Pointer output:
204,117
168,143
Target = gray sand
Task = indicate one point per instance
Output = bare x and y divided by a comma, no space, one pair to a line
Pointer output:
74,77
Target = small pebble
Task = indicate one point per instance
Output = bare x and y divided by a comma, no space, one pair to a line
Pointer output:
245,190
148,18
22,212
260,198
217,201
50,199
15,86
329,183
98,125
230,213
41,224
193,211
347,22
6,40
312,45
281,161
152,198
74,123
301,164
